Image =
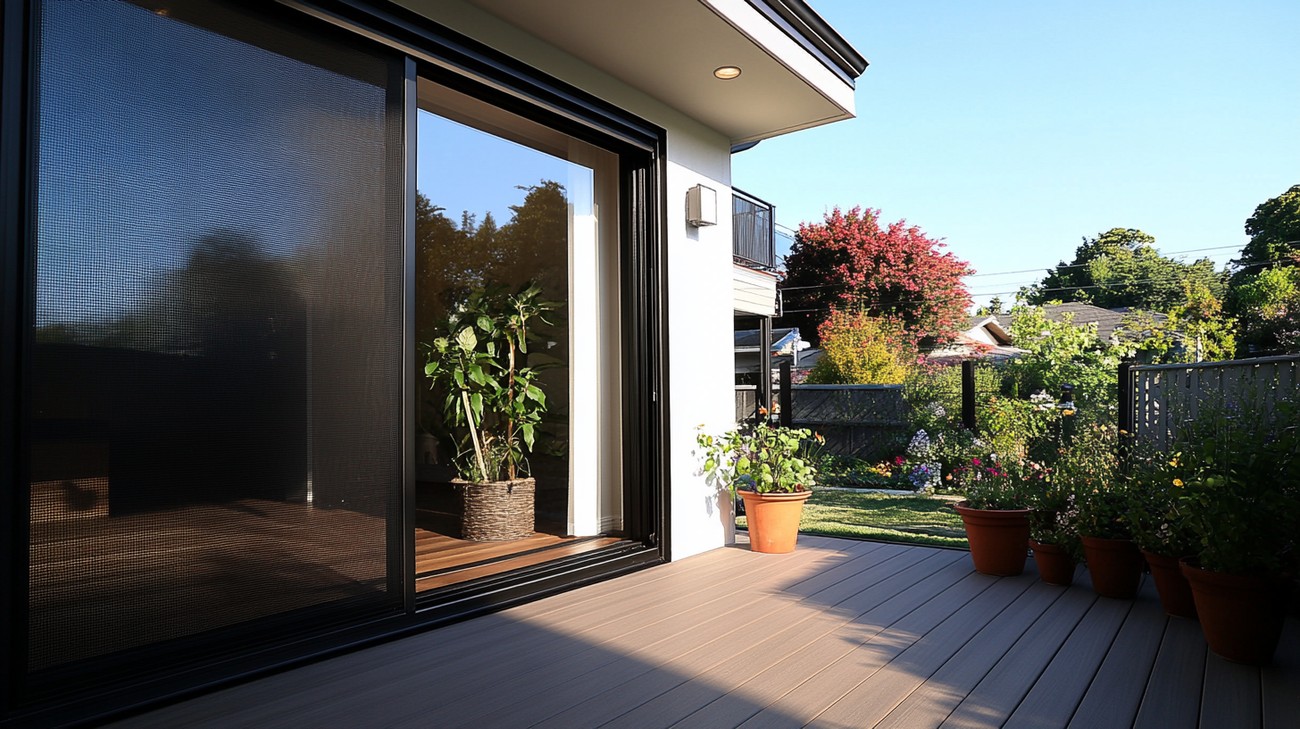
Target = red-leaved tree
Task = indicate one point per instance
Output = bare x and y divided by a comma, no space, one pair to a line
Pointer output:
894,272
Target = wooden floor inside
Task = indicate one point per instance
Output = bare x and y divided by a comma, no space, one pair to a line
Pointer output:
441,560
837,634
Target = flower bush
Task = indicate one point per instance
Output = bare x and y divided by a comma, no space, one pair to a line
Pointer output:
760,458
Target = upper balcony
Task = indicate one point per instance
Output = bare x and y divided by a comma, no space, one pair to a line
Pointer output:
753,239
753,249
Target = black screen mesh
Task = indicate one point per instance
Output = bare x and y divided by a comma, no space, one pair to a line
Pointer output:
215,414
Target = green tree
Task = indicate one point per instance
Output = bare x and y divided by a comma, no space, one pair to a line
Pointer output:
1274,231
860,349
1196,330
1122,268
1271,301
1060,353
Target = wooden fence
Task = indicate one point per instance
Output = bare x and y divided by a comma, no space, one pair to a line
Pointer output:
1156,398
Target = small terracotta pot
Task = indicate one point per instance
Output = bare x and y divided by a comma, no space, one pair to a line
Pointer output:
1115,566
1241,615
999,539
773,520
1175,593
1055,565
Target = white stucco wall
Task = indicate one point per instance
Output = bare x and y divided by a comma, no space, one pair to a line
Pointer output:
698,265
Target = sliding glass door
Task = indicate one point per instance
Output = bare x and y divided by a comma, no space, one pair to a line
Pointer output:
216,336
507,203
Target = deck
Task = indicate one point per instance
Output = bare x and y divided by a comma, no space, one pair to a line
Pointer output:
838,634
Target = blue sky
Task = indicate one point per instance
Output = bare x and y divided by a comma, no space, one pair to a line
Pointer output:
1014,129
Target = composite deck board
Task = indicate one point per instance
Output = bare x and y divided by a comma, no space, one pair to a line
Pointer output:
838,633
1235,700
751,658
1058,691
930,702
1173,691
792,668
609,651
974,625
1113,697
998,694
1280,682
571,696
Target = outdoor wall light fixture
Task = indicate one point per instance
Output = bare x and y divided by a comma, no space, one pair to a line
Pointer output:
701,206
726,73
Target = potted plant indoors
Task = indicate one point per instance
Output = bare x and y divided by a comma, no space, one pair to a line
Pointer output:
771,470
492,405
1239,467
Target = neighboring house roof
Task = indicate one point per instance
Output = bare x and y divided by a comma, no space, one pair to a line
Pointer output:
1107,320
985,339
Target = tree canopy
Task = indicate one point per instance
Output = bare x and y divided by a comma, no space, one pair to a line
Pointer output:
1274,231
1122,268
894,271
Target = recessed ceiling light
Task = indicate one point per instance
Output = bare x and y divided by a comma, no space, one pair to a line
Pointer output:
726,73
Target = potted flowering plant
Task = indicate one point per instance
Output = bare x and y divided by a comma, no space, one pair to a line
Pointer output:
1239,470
1158,523
1089,467
1052,530
772,471
996,514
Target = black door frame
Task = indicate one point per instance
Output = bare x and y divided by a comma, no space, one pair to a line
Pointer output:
451,59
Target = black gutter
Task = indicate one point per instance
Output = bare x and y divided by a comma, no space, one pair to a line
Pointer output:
810,30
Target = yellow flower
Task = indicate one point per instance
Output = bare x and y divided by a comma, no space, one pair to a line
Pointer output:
1178,482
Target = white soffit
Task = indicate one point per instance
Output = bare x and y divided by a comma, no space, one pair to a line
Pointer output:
669,49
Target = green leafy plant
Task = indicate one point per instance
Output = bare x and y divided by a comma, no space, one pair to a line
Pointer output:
492,400
1156,508
1237,473
760,458
1089,467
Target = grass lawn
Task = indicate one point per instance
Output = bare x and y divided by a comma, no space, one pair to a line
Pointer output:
916,519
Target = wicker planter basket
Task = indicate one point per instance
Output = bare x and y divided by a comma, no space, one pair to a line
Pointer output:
497,511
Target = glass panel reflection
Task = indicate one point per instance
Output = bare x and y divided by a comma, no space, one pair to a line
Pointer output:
217,326
530,212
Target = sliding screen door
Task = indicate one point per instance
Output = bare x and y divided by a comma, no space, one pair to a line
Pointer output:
215,367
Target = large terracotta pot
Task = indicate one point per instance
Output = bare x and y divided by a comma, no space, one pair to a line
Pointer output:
1115,566
1055,565
1175,593
1241,616
773,520
999,539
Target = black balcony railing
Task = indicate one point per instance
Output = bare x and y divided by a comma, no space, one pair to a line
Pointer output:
752,237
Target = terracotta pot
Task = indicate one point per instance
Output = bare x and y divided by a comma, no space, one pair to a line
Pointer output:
1175,593
999,539
1241,615
773,520
1055,565
1115,566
